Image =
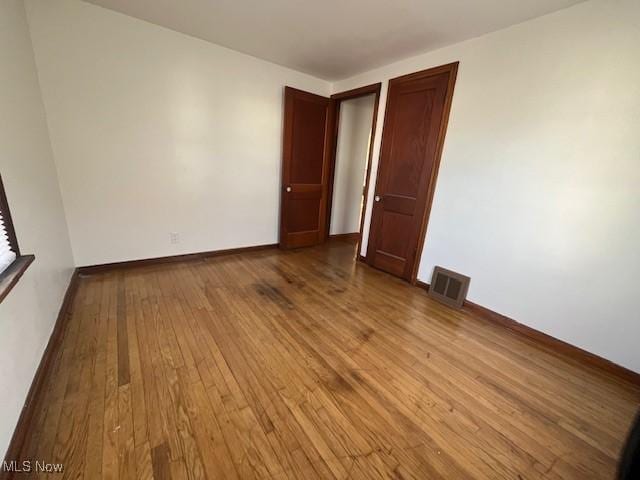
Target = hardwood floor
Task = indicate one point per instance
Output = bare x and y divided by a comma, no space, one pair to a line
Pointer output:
304,364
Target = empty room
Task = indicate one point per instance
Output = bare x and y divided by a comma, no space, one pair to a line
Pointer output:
320,240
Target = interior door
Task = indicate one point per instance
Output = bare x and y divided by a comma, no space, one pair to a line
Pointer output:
415,122
305,172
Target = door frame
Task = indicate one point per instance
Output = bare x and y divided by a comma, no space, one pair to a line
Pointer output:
452,70
336,100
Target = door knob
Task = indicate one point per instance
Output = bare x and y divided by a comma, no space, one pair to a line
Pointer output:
288,189
377,198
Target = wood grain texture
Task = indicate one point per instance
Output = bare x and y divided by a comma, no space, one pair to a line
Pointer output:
415,125
571,351
308,123
306,364
30,415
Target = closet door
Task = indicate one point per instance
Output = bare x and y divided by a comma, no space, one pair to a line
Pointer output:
413,135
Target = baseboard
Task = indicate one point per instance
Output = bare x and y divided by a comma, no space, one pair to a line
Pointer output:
560,346
104,267
29,409
346,237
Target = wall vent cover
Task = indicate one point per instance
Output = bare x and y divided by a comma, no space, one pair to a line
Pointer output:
449,287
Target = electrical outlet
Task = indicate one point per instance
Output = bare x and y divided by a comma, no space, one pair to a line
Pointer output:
174,237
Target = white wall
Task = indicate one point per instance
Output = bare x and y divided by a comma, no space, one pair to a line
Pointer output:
155,132
538,196
28,313
352,153
537,199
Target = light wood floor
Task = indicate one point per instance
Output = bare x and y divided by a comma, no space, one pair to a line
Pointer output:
307,365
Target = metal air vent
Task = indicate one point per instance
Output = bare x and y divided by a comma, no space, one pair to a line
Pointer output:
449,287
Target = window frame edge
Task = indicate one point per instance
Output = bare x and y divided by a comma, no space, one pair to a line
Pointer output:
9,278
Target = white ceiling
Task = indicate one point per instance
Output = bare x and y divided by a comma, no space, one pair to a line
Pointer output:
334,39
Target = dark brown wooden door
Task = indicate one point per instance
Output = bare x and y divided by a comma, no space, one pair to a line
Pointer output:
414,127
305,172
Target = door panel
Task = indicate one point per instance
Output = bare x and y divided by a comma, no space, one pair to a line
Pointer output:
303,213
415,122
308,137
407,157
304,169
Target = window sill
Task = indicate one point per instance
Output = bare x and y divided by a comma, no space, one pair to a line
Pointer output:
9,278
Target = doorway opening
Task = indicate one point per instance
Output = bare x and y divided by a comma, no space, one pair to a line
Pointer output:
352,153
355,114
310,141
325,142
